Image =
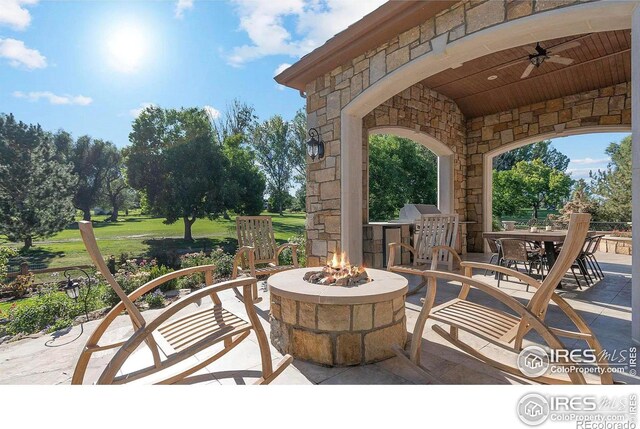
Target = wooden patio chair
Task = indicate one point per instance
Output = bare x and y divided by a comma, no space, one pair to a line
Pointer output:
257,246
432,231
507,329
173,338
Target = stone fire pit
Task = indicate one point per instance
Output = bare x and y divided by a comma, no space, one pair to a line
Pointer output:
338,325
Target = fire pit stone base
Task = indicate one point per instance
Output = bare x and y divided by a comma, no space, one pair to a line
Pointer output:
342,331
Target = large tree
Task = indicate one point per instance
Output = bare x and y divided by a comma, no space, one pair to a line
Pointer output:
543,150
36,185
237,119
274,145
400,171
529,184
580,201
116,191
245,185
91,160
175,161
612,187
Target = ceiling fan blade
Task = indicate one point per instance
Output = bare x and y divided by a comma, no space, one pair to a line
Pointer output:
527,71
560,60
563,47
512,63
530,49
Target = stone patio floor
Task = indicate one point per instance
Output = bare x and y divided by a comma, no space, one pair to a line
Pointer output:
605,306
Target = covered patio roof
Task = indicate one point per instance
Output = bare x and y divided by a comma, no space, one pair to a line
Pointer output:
453,72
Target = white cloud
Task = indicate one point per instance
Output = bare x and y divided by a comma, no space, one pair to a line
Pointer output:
281,68
136,111
277,71
19,55
78,100
580,173
212,112
14,14
181,6
589,161
315,21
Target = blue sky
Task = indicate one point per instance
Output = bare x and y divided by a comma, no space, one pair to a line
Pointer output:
88,67
586,151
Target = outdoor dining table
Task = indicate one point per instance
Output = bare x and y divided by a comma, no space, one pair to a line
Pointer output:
549,238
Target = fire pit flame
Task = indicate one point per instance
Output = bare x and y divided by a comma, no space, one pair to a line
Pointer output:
339,272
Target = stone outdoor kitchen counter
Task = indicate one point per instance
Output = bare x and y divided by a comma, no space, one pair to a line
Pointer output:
335,325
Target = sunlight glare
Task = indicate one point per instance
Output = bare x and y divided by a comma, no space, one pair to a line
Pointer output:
127,46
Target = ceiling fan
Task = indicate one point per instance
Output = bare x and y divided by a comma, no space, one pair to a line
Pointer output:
538,55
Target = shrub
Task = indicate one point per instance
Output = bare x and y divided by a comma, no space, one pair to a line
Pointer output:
5,254
51,309
160,270
223,262
286,256
154,299
496,223
189,260
128,281
132,274
194,281
20,286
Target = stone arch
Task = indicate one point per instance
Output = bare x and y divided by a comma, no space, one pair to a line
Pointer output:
447,50
445,160
487,181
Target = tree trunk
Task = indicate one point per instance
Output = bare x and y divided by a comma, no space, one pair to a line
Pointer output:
28,242
114,213
187,228
535,212
86,214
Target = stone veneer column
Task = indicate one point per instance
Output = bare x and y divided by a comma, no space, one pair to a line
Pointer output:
635,123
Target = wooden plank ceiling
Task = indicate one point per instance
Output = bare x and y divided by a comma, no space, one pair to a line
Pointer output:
602,59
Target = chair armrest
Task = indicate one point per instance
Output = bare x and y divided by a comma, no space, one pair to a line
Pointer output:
392,252
504,270
280,248
249,251
294,252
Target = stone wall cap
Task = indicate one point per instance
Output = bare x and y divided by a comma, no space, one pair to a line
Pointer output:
384,287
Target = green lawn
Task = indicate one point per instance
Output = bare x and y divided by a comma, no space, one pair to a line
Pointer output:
139,235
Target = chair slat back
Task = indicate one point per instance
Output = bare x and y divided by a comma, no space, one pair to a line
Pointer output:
89,239
434,230
571,248
257,232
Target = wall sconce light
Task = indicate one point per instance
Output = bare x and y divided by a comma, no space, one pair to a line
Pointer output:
315,145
